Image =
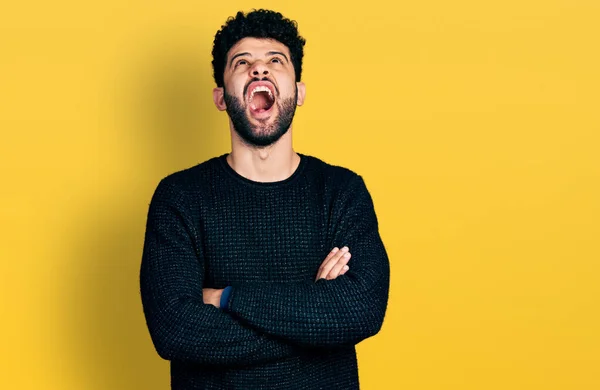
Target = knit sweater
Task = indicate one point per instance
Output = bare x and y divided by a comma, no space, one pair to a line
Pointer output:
209,227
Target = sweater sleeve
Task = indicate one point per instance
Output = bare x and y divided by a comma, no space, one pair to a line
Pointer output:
328,313
181,325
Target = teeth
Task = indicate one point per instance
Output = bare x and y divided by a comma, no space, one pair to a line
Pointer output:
261,88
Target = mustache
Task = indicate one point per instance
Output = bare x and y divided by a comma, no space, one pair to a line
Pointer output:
258,79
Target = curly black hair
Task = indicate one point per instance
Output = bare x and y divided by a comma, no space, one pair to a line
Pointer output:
257,24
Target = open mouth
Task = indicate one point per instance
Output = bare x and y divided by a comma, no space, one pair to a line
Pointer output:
261,99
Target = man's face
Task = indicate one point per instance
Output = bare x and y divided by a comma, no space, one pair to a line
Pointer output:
260,91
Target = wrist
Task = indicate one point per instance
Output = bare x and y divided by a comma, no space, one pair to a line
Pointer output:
224,298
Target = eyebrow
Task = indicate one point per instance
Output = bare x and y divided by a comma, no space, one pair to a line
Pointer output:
278,52
245,53
238,55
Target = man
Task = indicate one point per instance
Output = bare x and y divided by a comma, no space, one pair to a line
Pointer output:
262,268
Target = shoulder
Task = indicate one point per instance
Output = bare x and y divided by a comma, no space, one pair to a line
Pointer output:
344,190
338,182
181,184
334,175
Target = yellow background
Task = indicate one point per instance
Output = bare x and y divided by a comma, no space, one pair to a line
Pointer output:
475,125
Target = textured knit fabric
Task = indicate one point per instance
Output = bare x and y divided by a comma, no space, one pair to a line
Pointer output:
209,227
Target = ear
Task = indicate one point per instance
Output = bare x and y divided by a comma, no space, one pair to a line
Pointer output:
219,99
301,92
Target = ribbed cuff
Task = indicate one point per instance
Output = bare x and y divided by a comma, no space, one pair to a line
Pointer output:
224,303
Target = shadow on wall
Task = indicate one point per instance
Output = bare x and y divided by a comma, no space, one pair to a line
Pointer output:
175,127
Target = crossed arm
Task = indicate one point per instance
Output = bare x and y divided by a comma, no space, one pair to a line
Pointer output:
181,325
263,322
334,265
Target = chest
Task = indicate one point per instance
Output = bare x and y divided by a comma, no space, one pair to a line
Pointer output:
265,238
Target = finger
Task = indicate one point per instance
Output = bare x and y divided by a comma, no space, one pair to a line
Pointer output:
328,264
330,255
344,270
337,268
331,261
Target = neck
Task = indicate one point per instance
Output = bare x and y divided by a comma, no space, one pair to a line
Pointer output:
271,163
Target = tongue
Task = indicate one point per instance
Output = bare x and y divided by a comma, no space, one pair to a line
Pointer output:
261,101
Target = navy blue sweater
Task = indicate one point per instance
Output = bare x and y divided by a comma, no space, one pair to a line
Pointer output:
209,227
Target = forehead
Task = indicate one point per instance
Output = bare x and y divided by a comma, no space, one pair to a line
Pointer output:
257,47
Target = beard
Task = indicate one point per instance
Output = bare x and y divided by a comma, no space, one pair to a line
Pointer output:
262,134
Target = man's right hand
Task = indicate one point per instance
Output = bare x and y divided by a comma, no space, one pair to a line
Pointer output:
334,264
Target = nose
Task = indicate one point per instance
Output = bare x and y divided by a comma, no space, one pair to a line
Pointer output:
259,69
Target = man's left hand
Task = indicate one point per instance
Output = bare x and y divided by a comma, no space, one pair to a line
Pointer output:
212,296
